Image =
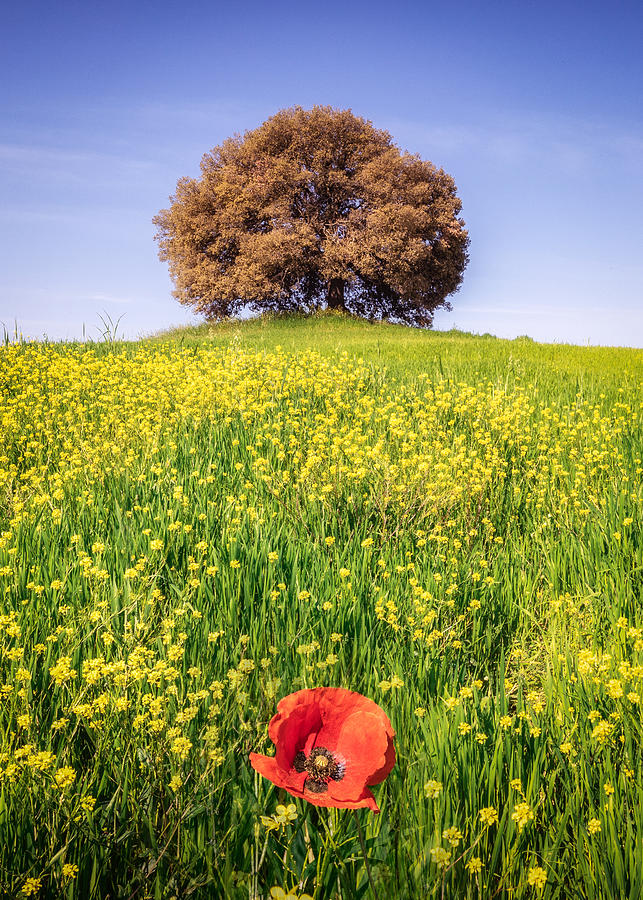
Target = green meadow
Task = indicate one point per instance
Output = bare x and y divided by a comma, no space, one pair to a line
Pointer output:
199,523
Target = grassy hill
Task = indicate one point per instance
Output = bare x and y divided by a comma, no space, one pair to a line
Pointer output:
199,524
405,352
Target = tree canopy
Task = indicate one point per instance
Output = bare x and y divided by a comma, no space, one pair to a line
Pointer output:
315,207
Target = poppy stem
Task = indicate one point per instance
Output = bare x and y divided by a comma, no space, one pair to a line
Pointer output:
310,856
363,846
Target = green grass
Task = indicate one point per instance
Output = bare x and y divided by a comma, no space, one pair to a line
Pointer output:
484,497
404,352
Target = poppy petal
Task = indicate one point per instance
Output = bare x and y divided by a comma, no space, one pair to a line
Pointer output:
389,761
291,727
336,704
364,799
361,743
285,778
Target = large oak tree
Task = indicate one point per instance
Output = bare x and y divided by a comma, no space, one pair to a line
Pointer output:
315,207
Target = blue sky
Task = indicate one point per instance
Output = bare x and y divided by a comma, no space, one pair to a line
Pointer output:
535,108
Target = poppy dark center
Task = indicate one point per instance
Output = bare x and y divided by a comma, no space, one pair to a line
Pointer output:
321,767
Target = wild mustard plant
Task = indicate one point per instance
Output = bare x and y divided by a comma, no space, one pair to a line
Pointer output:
191,531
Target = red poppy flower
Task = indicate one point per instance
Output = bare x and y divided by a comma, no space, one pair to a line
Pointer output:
331,744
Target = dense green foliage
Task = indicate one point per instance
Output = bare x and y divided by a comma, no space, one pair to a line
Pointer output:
195,525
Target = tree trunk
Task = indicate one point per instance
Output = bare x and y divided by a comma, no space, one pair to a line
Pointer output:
335,296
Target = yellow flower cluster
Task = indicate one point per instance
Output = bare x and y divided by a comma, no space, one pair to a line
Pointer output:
187,534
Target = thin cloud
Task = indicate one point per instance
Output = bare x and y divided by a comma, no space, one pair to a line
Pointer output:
575,145
29,160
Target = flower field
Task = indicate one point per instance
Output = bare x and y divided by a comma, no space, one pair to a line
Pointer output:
194,527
